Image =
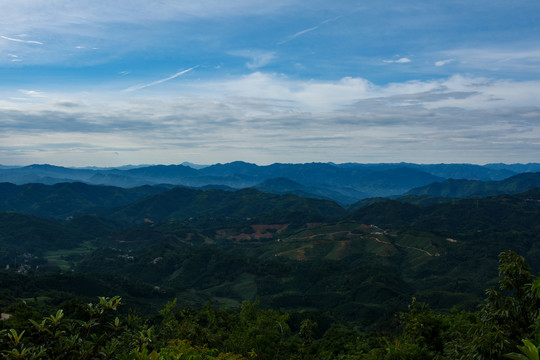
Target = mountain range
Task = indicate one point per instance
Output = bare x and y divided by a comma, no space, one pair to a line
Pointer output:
343,183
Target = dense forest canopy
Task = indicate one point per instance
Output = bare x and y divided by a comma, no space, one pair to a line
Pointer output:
508,321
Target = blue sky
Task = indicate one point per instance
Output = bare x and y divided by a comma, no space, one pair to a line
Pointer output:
108,83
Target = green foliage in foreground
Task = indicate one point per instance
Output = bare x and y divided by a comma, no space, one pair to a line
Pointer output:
530,349
98,337
508,321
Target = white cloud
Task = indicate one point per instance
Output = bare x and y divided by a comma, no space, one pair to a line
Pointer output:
300,95
443,62
275,93
32,93
270,117
280,93
258,58
402,60
258,130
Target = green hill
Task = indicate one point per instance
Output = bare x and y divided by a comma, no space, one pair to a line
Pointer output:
469,188
179,204
67,199
290,252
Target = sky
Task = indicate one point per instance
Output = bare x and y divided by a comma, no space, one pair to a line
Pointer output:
109,83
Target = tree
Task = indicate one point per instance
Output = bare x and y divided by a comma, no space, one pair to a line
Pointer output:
530,349
508,313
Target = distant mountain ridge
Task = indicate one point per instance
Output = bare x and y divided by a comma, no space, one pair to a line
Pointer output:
470,188
344,183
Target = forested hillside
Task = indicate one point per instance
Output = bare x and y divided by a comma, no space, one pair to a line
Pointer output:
102,329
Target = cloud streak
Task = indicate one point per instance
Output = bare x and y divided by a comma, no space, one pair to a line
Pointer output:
157,82
443,62
294,36
21,40
305,31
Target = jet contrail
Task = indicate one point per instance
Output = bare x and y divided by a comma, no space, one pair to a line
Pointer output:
21,40
138,87
308,30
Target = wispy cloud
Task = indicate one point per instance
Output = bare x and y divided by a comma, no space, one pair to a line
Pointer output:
14,57
302,32
531,52
21,40
259,58
402,60
298,34
32,93
157,82
443,62
523,58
